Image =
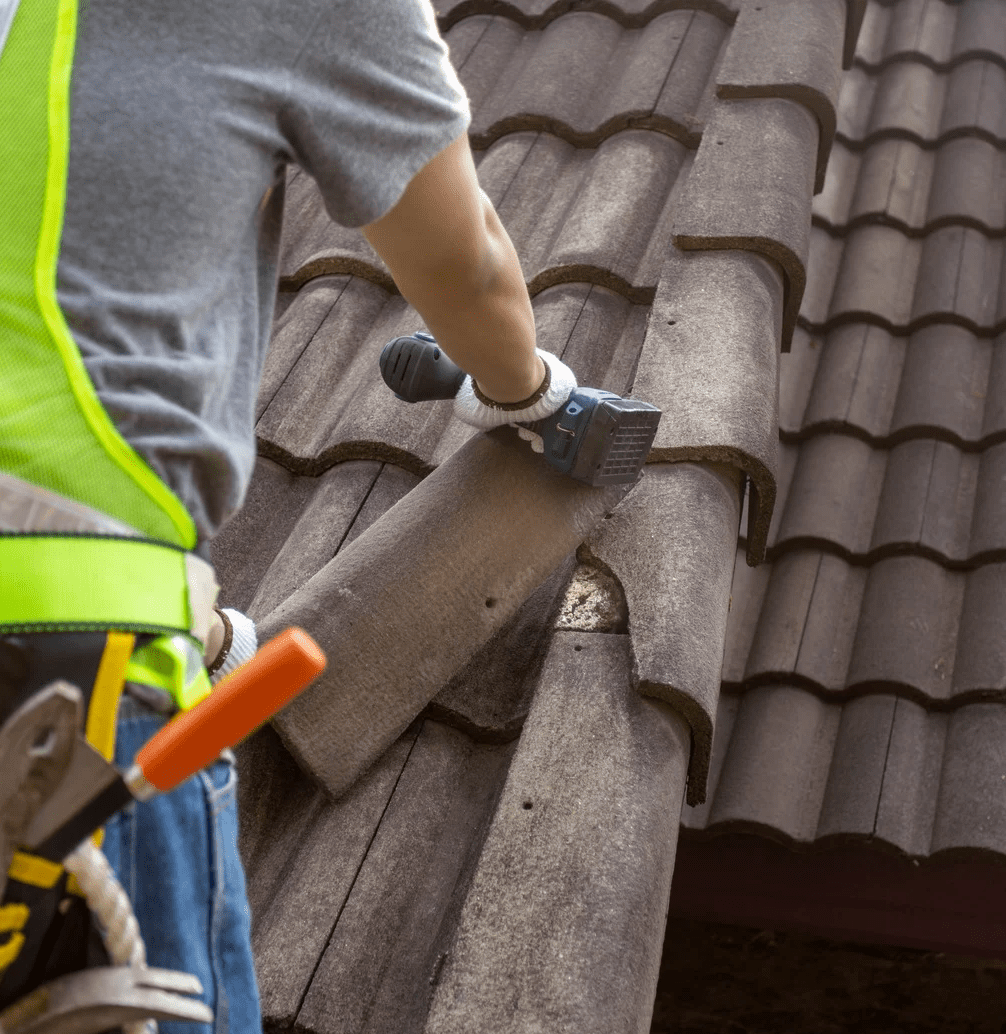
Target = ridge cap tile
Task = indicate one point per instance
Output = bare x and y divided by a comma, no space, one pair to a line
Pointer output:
751,188
789,49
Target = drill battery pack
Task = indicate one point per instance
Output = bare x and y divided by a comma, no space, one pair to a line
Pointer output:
597,437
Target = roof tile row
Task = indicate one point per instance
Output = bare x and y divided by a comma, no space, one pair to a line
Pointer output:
938,32
904,623
876,767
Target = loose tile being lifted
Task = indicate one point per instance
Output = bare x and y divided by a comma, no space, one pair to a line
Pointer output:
407,604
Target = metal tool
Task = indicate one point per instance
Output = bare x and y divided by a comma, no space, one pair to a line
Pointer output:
597,437
56,790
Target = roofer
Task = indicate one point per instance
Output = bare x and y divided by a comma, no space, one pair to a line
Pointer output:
143,146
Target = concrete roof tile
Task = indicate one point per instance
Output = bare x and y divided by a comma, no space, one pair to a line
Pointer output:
490,499
719,311
568,899
761,150
823,265
789,49
944,384
834,493
797,374
777,792
916,651
856,775
583,74
873,34
988,521
397,919
301,853
912,774
831,206
856,380
927,501
969,184
854,15
275,500
877,276
855,103
980,662
894,184
971,809
697,816
976,100
540,12
676,580
981,25
322,527
918,27
994,419
747,594
489,698
909,100
959,276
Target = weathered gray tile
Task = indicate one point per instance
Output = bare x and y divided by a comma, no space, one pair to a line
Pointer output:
976,99
677,586
980,647
404,607
302,852
378,968
789,49
894,183
943,384
834,493
968,184
907,634
852,794
776,772
274,502
857,380
959,273
909,100
720,311
747,595
877,277
563,925
913,762
971,809
763,151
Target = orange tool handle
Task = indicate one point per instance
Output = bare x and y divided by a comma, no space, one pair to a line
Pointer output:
238,704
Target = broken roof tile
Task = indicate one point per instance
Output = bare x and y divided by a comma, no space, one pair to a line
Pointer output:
676,582
789,49
717,311
761,150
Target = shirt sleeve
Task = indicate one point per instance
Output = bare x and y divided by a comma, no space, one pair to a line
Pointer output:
373,97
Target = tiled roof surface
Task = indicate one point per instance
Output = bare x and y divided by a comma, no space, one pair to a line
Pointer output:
865,665
655,165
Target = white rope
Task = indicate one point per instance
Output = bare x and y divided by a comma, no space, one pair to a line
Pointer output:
110,904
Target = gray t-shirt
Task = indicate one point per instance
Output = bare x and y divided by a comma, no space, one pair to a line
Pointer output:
184,114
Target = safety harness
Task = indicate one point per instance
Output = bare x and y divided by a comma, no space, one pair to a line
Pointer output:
148,595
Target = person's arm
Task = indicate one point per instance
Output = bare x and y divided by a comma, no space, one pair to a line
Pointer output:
455,264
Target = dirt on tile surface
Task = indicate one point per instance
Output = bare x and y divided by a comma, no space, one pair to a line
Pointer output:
719,979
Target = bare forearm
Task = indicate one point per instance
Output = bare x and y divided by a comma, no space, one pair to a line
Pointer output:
490,332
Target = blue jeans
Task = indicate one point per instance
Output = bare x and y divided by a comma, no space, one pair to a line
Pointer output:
177,857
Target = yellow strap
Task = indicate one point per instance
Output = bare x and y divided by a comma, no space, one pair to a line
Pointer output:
13,917
10,951
104,706
35,871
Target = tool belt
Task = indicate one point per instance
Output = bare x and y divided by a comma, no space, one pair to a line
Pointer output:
107,614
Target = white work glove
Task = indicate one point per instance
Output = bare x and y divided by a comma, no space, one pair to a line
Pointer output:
561,384
240,644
